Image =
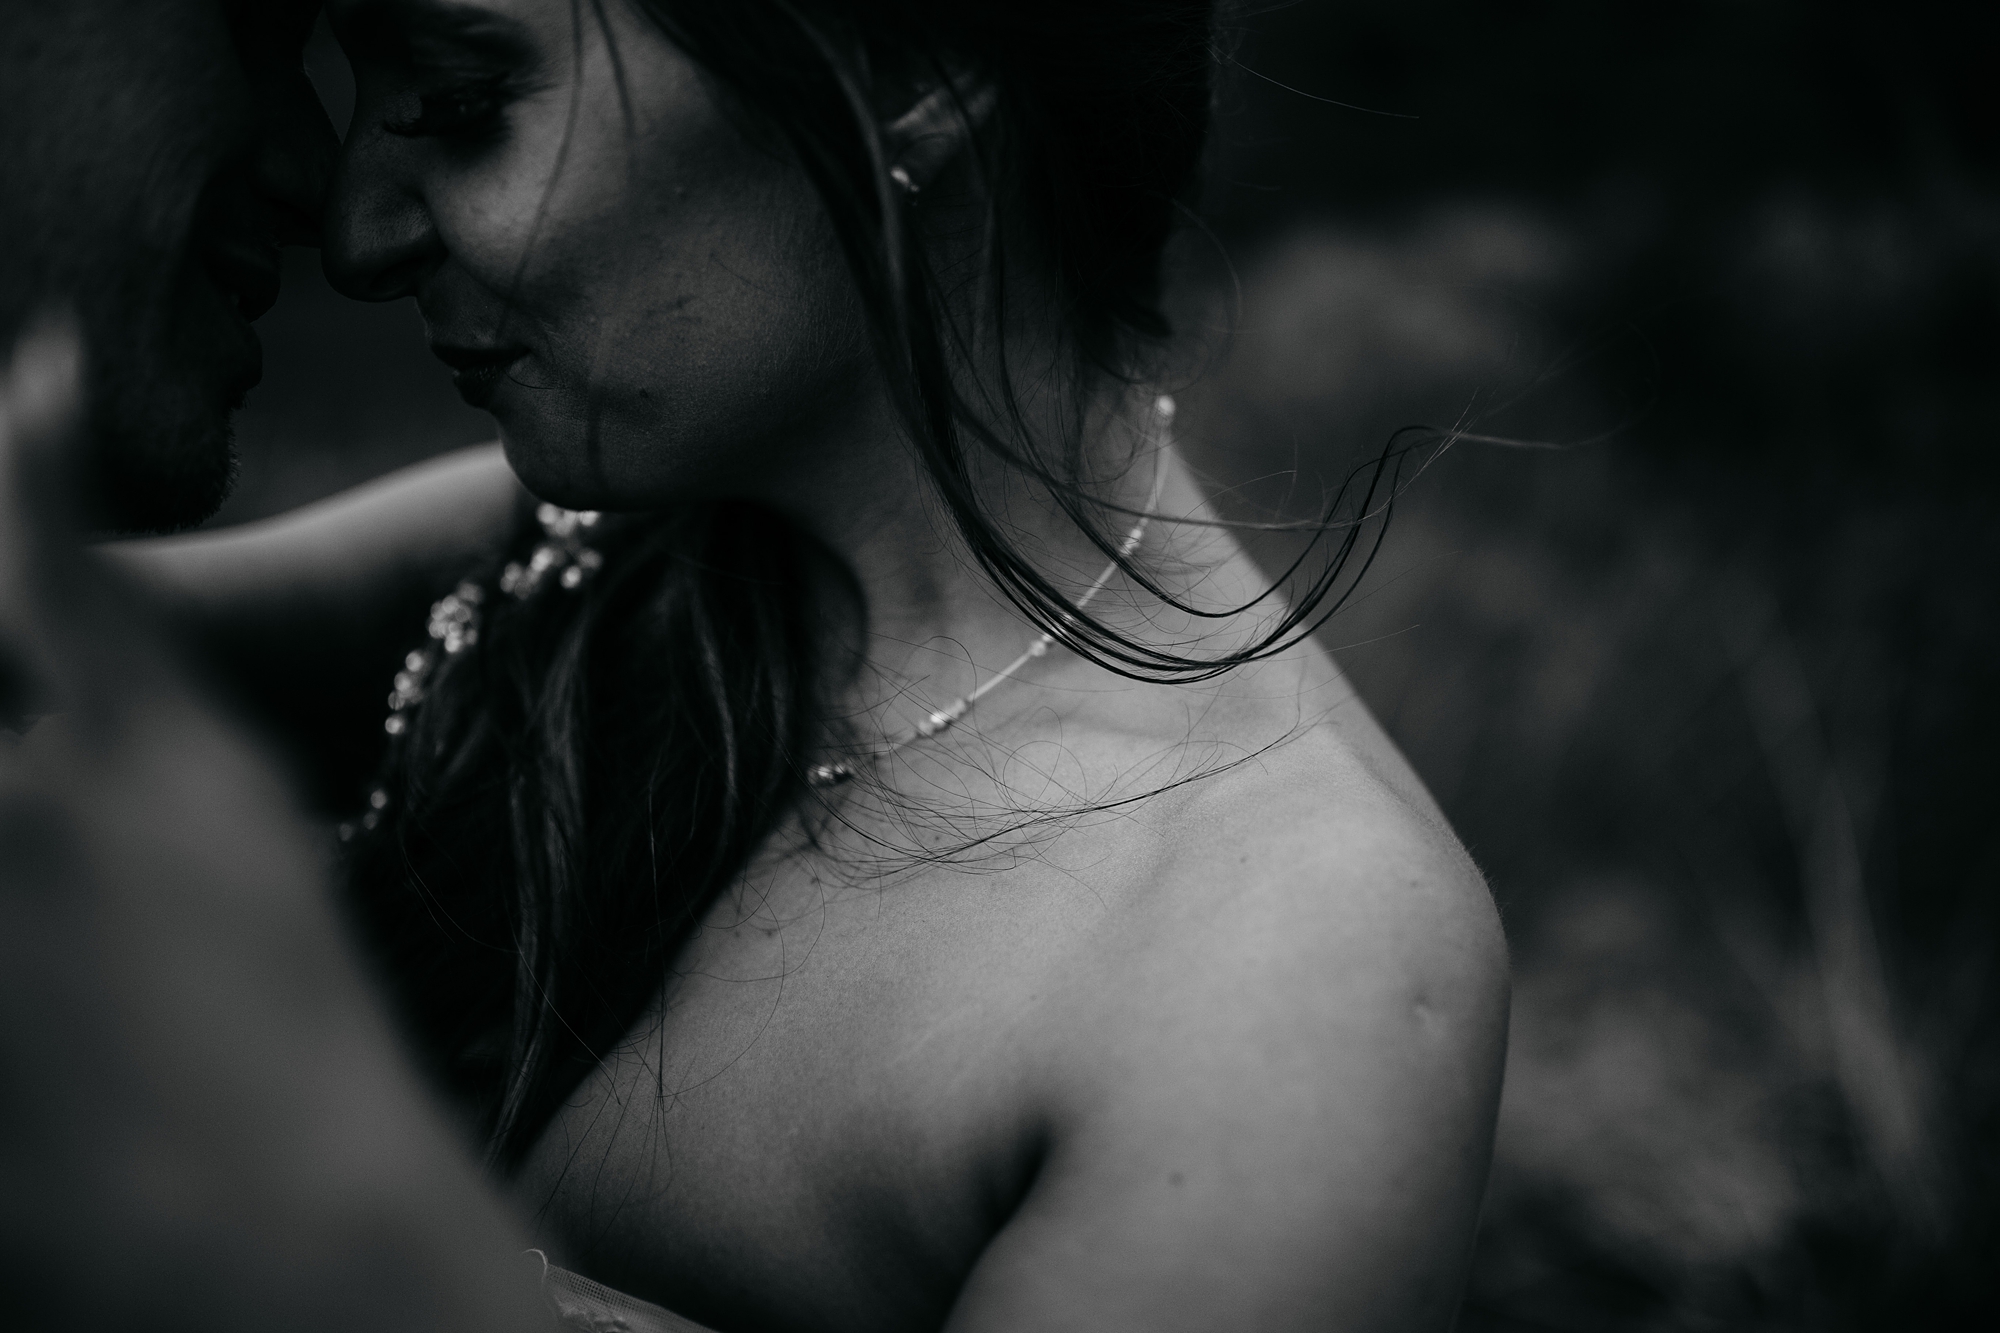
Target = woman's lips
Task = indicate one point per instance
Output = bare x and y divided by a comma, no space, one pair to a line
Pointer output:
477,371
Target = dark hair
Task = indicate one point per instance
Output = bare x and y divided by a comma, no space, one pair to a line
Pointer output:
572,795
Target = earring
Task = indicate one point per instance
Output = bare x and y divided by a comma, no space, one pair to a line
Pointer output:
901,176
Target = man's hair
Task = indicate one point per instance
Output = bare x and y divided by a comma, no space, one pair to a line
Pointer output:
83,231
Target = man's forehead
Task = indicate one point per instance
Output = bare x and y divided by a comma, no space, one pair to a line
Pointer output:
285,21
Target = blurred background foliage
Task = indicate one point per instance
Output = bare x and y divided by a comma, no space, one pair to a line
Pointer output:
1701,664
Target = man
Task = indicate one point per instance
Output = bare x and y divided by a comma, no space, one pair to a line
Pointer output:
205,1120
157,154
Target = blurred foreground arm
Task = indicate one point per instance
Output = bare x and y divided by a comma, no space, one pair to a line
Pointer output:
207,1121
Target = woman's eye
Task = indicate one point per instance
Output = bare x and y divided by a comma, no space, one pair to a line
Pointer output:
464,112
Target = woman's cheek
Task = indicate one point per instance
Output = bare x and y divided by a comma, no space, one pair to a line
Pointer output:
487,220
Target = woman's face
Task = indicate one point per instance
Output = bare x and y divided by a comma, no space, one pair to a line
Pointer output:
646,300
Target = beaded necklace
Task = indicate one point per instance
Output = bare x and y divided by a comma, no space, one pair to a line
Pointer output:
841,770
562,558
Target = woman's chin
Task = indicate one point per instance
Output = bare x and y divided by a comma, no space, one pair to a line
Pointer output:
543,467
555,470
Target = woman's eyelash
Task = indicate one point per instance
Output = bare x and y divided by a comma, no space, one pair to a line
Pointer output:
461,111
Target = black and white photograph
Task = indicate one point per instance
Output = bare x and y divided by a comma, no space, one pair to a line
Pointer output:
882,666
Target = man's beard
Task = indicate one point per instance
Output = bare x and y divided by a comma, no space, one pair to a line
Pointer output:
157,462
162,453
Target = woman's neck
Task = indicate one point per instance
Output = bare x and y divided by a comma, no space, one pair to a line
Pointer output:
932,626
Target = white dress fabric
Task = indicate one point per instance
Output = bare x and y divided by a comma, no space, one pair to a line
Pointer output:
592,1307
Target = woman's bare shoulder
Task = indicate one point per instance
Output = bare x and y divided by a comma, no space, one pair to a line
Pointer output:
1279,1063
1305,878
1316,825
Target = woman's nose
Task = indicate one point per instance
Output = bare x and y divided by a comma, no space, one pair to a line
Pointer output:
378,242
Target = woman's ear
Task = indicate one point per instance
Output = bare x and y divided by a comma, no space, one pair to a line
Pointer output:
922,141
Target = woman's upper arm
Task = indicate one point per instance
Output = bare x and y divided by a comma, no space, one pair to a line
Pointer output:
433,515
302,618
1283,1120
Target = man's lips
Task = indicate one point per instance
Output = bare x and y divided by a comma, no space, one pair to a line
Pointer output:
477,371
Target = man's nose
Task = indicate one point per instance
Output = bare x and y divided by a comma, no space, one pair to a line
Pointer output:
298,146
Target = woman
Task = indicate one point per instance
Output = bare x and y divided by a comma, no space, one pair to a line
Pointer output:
891,870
